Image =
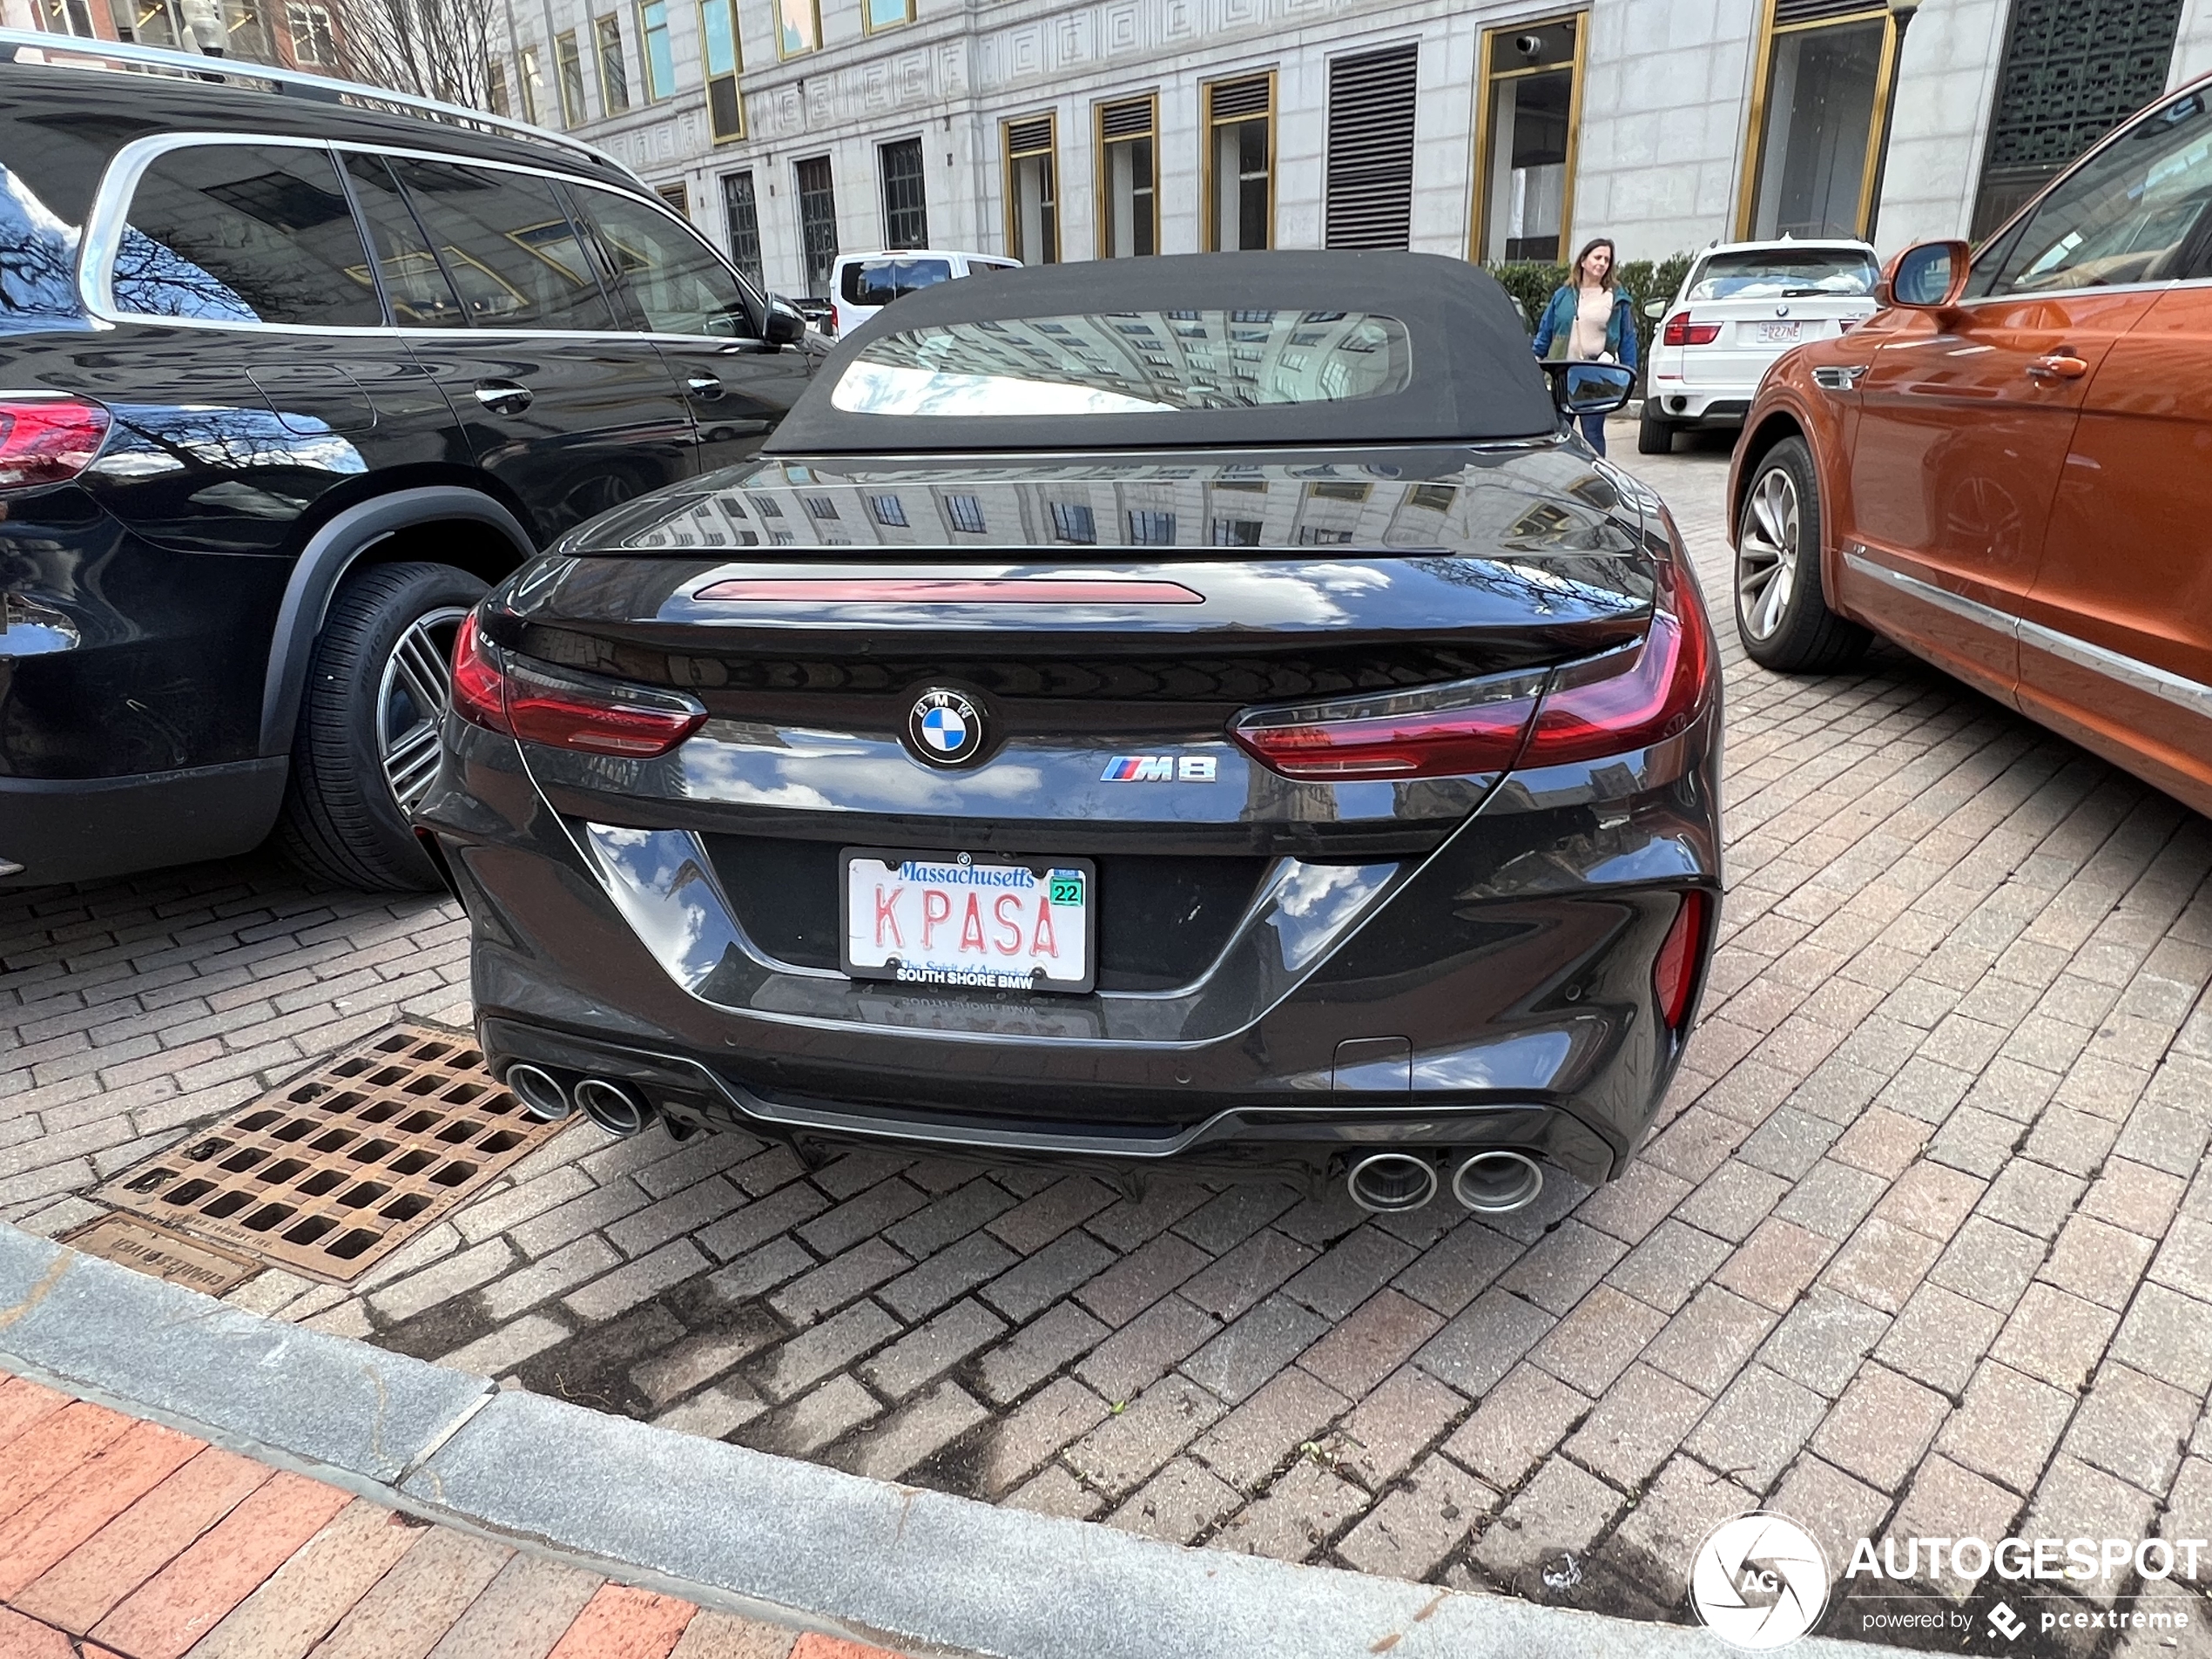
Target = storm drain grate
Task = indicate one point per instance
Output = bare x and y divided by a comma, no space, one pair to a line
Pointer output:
332,1171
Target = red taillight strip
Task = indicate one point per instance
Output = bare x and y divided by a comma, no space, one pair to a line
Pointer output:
1674,972
46,439
631,721
946,591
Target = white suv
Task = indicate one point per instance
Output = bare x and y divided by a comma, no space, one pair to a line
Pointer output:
864,283
1742,306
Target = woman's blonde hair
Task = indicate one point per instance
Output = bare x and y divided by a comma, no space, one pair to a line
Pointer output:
1575,271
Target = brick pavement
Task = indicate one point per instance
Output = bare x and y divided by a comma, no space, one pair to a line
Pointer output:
124,1540
1922,1233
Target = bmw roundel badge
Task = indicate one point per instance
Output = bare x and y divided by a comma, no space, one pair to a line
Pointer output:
945,729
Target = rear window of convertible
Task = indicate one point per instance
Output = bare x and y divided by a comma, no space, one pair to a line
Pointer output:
1128,362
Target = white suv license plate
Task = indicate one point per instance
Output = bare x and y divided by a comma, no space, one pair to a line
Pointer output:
977,919
1779,332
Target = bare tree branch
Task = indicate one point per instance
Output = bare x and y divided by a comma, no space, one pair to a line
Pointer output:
438,48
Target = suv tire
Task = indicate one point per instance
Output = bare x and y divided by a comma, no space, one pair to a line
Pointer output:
1654,435
364,738
1782,614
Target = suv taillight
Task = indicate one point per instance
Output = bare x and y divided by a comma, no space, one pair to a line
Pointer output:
47,440
1682,332
605,717
1627,698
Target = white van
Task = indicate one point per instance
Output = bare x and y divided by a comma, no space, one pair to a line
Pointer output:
864,283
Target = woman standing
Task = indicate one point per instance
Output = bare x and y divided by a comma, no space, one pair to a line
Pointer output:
1589,321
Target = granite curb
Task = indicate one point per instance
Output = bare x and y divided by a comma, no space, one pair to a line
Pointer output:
728,1527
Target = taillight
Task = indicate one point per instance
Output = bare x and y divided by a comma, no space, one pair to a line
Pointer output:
1682,332
1633,697
1439,731
598,717
1674,973
47,440
1625,699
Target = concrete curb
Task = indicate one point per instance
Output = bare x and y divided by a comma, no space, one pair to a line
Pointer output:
731,1527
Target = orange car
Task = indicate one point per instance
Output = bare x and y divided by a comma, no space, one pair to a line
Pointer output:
2008,470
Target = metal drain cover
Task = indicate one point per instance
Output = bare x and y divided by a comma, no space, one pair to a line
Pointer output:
330,1173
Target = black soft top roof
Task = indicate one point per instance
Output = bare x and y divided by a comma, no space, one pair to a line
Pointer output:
1474,375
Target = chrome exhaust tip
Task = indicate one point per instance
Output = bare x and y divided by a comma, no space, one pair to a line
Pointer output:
1497,1182
1382,1182
615,1108
540,1091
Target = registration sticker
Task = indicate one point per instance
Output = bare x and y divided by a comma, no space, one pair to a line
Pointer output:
977,919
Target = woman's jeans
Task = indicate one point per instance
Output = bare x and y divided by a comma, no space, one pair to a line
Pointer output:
1594,431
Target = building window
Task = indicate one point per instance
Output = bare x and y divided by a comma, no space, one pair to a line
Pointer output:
313,47
1338,491
821,506
1240,163
1072,522
495,88
70,17
798,27
1818,123
768,505
1437,498
1525,167
965,513
888,510
1032,201
724,63
905,213
532,80
653,45
1309,536
568,60
1149,527
1235,532
2068,78
1370,190
885,14
677,196
743,213
817,223
614,74
1129,177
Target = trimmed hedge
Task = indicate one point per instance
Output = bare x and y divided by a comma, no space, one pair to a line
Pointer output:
1534,284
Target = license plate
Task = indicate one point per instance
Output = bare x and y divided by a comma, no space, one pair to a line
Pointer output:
977,919
1771,332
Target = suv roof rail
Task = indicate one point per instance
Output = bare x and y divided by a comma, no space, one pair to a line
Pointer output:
73,50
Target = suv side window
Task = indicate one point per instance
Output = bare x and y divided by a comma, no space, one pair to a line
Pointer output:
673,277
242,234
415,286
507,246
2134,213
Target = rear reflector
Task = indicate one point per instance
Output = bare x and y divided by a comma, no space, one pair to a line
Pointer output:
1682,332
1623,700
1673,974
949,591
598,717
47,440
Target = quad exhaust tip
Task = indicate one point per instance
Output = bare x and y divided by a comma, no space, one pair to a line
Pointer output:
540,1091
1497,1182
615,1108
1382,1182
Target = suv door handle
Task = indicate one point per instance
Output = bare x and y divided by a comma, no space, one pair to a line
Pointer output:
2058,366
703,385
503,397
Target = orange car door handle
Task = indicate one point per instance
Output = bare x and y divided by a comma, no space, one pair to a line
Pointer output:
2059,366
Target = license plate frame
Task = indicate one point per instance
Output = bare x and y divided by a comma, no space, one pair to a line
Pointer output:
1781,334
994,880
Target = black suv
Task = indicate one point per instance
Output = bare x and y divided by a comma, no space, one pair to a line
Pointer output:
286,382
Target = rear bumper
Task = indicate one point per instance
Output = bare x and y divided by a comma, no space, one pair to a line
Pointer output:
1699,405
1496,993
56,830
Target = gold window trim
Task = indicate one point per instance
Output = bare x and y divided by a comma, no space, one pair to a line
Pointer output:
1208,169
1099,142
1747,194
1008,156
1479,199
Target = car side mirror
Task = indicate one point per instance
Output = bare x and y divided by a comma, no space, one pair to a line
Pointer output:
1928,276
1655,309
1591,389
786,325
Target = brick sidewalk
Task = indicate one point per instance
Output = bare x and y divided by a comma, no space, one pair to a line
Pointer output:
124,1540
1922,1242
